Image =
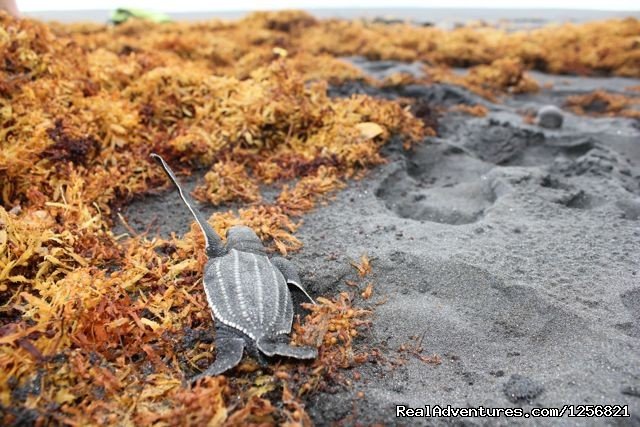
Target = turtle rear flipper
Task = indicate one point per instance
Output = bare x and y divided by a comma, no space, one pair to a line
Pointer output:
228,354
271,347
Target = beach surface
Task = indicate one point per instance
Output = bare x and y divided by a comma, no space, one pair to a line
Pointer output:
505,256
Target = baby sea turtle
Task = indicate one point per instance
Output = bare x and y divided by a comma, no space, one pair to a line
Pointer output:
247,293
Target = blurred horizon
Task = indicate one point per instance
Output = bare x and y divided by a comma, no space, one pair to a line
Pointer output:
248,5
516,19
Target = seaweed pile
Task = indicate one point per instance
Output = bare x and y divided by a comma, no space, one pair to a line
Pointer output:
97,328
603,47
603,103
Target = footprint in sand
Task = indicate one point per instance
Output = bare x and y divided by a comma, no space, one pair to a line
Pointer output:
438,183
456,181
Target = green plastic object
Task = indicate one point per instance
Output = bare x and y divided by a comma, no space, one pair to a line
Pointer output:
121,15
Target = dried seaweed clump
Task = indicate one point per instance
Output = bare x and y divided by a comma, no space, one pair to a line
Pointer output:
506,75
601,47
477,110
333,325
602,103
227,181
302,197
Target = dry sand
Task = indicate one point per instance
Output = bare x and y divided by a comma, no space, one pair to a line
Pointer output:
512,250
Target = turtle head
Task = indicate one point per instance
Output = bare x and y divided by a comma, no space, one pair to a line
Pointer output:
244,239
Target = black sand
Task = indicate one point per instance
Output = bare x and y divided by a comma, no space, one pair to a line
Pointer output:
512,250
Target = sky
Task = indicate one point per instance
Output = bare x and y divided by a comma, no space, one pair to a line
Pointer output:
236,5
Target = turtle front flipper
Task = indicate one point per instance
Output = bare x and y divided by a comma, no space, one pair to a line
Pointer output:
272,347
213,243
290,274
228,354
